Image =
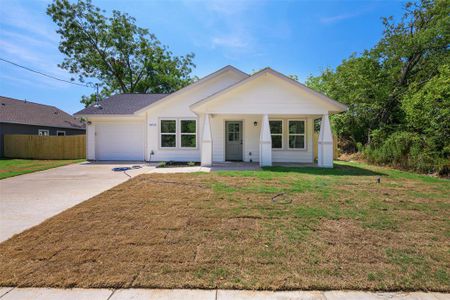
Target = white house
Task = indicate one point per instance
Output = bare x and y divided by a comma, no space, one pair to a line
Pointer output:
226,116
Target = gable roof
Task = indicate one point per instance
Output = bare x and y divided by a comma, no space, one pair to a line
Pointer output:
129,104
339,106
30,113
227,68
122,104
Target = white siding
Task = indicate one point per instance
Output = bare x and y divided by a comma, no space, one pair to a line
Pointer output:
266,94
250,136
90,141
178,107
251,139
294,155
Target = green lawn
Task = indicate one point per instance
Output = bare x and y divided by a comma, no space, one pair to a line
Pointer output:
14,167
327,229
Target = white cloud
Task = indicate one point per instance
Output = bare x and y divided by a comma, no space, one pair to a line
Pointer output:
228,7
228,26
18,52
24,38
337,18
346,15
13,14
235,42
27,38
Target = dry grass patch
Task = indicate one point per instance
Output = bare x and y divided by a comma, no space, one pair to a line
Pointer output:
340,230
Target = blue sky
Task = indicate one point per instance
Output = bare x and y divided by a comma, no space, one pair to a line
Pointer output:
293,37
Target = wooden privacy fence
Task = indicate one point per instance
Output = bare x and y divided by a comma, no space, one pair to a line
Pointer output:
44,147
316,146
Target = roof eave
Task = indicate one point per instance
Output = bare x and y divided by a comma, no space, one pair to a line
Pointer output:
44,125
107,115
193,85
340,107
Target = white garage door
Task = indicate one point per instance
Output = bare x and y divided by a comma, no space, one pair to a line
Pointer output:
119,141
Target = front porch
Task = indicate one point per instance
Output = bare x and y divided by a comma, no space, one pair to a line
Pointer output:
275,139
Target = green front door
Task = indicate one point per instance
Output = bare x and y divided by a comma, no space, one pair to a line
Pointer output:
233,140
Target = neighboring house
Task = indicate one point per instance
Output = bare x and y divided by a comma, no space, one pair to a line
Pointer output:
226,116
24,117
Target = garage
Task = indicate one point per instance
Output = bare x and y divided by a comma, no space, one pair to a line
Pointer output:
119,140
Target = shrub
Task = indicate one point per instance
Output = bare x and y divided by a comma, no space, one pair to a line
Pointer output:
406,150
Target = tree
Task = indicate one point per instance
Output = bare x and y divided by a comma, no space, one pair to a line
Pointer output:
428,110
114,51
412,49
398,89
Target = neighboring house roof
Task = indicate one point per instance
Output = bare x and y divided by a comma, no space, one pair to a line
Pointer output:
122,104
30,113
339,106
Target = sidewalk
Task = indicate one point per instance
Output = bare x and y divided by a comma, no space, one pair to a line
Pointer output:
160,294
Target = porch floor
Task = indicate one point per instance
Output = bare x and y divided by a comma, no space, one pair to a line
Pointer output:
253,166
235,166
224,166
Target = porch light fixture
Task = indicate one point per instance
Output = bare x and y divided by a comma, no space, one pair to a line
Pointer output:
255,123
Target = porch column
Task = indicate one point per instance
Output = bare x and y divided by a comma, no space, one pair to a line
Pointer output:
265,143
325,144
206,150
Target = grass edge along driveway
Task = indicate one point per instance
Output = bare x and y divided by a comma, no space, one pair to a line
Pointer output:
15,167
331,229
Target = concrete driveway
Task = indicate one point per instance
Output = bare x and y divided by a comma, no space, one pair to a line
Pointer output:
29,199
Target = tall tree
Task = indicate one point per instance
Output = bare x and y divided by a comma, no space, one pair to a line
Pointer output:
374,83
398,89
115,52
412,49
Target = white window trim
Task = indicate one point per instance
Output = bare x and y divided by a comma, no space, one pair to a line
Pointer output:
161,133
43,130
282,134
297,134
178,133
60,131
195,133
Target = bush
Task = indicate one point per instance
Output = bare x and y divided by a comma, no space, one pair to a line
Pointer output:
406,150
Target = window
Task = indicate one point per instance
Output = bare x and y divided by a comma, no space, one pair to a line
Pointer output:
43,132
296,134
234,131
188,133
60,133
168,133
276,132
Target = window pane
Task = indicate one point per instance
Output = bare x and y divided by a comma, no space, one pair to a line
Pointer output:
276,142
188,140
168,140
230,136
276,126
188,126
168,126
296,127
297,141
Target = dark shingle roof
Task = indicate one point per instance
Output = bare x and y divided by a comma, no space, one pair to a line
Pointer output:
30,113
122,104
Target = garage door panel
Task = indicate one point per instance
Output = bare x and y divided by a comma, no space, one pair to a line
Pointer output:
119,141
